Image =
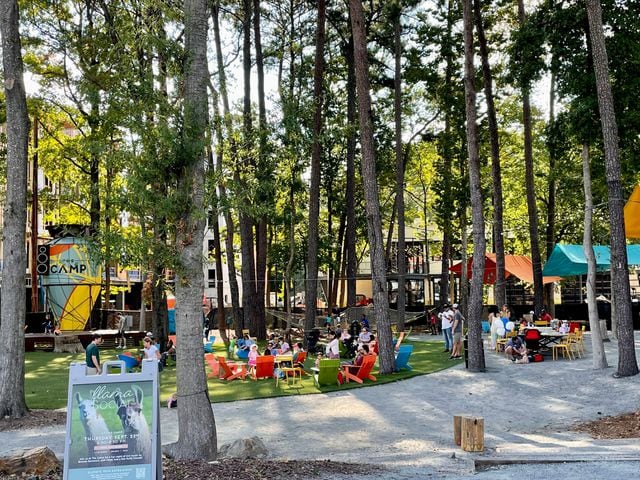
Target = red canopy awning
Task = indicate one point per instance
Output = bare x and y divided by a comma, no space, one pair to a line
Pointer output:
519,266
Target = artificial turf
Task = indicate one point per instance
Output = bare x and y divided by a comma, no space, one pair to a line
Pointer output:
47,376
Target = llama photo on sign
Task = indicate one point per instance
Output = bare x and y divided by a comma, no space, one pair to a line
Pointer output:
111,425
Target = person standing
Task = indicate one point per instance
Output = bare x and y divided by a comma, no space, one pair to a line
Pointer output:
496,322
121,324
150,349
92,356
456,330
447,322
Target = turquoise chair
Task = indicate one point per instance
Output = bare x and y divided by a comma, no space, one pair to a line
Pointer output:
129,362
402,358
242,354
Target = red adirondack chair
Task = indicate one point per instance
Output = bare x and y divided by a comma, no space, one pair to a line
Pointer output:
362,372
264,367
299,363
210,358
231,371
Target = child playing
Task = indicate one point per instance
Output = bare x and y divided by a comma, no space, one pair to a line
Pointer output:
253,355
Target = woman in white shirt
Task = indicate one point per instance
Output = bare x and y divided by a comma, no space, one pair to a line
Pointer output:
333,348
150,350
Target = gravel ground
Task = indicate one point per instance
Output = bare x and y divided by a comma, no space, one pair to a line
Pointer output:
407,427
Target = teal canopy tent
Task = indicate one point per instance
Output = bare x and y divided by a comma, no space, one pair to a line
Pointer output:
569,260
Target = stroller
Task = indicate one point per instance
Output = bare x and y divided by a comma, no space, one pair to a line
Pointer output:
532,340
312,338
354,329
350,347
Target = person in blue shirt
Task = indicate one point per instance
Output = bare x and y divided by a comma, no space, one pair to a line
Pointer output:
364,321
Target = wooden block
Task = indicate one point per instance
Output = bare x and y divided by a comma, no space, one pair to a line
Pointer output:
457,428
472,432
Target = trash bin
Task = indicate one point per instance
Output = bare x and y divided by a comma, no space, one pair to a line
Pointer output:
465,345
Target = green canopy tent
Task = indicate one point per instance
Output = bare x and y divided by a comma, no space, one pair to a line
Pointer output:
569,260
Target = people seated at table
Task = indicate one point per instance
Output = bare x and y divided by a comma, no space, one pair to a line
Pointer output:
365,336
545,317
284,346
515,349
333,347
297,348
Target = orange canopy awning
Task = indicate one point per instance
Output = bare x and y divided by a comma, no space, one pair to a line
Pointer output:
519,266
632,215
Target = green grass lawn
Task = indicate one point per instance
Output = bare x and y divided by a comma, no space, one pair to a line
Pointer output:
47,376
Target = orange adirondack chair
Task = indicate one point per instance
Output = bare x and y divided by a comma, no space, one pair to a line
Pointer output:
210,358
302,356
362,372
231,371
264,367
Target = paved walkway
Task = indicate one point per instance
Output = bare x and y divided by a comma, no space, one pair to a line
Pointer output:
407,426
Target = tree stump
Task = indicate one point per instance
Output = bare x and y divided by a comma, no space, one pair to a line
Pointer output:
472,433
457,428
67,344
34,461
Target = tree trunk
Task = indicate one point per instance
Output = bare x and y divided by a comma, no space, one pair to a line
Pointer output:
197,436
599,357
463,294
532,208
215,224
397,109
627,363
500,292
474,318
264,174
228,218
376,244
350,235
13,293
447,159
246,222
311,290
549,300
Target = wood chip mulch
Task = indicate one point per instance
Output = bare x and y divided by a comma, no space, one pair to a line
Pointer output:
608,428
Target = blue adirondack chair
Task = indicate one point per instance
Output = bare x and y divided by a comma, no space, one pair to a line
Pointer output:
129,362
402,358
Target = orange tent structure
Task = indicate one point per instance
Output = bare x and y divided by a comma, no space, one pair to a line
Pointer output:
632,214
519,266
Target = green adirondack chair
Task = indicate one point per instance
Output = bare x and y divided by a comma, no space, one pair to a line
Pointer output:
327,373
